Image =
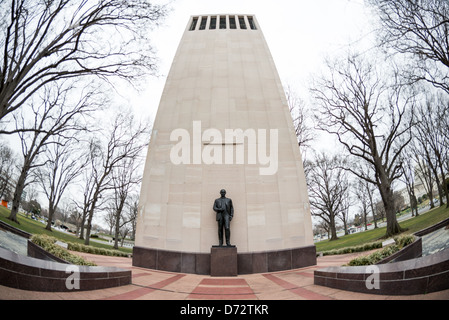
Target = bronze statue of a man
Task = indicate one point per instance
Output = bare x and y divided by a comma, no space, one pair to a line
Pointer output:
225,212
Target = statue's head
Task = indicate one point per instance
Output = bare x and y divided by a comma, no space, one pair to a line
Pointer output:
222,192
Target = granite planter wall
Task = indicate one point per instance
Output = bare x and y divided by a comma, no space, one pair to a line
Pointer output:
26,273
42,271
404,273
413,250
415,276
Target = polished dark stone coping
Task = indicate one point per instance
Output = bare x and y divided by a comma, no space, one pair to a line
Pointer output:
11,229
247,263
27,273
415,276
432,228
405,273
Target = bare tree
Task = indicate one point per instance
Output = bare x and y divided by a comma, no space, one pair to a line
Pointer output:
431,134
321,228
408,177
125,177
344,212
7,168
366,114
53,115
65,208
370,189
133,209
89,178
124,139
75,217
380,210
362,196
62,165
303,130
328,189
109,218
48,41
420,29
424,174
28,200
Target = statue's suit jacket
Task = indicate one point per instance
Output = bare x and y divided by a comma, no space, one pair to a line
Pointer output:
224,209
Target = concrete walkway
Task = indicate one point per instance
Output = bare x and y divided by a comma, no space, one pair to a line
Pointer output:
159,285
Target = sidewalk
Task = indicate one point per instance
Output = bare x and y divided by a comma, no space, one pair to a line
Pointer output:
159,285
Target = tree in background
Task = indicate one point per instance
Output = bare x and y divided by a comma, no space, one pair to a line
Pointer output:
300,116
328,189
7,168
54,116
365,109
43,42
431,139
125,177
122,140
63,163
418,30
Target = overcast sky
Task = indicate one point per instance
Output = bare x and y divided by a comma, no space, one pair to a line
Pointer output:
299,33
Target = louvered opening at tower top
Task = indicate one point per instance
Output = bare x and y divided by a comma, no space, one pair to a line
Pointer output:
220,22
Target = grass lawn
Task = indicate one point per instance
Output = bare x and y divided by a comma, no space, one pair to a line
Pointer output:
414,224
34,227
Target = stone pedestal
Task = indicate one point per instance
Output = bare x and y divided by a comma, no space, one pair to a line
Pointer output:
223,261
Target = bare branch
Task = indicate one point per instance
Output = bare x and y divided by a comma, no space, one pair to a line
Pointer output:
48,41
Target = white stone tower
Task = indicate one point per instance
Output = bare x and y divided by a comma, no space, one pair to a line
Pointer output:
223,122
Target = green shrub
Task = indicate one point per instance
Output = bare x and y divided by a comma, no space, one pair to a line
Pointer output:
43,240
377,256
361,248
94,250
48,244
404,240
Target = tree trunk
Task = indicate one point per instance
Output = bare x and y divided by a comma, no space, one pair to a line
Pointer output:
439,186
393,227
370,197
89,226
387,195
117,220
83,222
116,233
51,213
444,186
18,195
410,199
333,230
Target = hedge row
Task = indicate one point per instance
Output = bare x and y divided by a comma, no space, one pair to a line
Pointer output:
361,248
377,256
94,250
49,244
